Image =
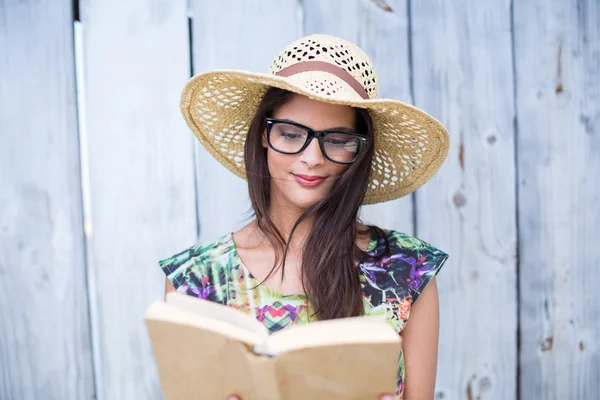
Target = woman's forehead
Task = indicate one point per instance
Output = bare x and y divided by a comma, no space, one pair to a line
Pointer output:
316,114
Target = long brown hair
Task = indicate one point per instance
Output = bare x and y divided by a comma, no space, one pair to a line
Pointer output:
329,274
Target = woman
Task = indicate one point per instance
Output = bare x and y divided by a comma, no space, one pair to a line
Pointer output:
315,143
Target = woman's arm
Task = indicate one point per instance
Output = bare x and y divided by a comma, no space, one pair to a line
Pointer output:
420,345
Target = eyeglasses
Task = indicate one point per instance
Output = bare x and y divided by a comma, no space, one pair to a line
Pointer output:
289,137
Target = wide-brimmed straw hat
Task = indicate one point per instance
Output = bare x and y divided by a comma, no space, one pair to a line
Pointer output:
410,145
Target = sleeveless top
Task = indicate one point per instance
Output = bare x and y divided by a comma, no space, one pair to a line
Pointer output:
214,271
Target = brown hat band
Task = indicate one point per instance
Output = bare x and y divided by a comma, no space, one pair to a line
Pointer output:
323,66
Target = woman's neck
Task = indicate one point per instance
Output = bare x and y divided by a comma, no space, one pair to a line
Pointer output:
284,218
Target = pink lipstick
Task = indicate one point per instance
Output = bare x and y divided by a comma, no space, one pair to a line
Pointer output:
309,180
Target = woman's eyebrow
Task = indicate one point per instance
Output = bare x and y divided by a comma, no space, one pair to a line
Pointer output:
341,128
335,128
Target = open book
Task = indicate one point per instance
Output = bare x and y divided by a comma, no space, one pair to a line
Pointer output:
206,350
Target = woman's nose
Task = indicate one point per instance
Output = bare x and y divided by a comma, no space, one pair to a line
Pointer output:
312,155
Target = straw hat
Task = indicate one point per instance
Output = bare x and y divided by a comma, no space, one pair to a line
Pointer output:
410,145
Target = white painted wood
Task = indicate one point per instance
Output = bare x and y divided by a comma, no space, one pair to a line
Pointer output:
44,326
462,75
381,30
557,53
234,34
136,61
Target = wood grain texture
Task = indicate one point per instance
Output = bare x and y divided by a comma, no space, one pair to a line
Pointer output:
381,30
45,350
140,175
557,56
233,34
463,76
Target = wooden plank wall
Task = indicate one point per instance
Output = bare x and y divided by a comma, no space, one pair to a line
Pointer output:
516,205
45,346
141,176
557,53
462,74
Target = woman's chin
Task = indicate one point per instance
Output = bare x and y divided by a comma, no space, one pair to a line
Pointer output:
305,200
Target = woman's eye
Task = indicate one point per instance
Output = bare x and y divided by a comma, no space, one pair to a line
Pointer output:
338,142
290,136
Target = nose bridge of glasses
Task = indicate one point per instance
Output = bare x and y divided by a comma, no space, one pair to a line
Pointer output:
312,153
313,145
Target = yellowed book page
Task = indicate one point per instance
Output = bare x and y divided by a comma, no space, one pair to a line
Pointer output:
366,329
199,364
217,311
263,375
344,372
166,312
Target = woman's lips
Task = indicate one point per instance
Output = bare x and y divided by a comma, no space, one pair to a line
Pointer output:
308,180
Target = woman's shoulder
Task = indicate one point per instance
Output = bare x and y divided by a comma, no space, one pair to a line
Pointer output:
400,268
198,255
401,242
404,263
201,270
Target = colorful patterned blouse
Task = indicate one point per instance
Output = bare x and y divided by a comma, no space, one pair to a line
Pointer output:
214,271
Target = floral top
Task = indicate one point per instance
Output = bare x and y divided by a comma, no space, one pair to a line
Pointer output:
214,271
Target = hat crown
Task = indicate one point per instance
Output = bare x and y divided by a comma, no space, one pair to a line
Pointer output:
332,50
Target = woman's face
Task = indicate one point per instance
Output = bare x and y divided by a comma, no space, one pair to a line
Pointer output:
300,180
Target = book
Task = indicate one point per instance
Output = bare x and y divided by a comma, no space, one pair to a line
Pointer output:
206,350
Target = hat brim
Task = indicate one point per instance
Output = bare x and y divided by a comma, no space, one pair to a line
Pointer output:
410,145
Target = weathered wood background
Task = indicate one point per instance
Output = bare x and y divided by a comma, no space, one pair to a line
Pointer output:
100,178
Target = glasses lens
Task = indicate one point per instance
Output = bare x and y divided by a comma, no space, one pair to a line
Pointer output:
287,138
341,147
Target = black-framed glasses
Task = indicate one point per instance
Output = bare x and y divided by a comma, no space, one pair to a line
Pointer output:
338,146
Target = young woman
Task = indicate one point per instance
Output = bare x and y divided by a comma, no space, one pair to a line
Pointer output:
315,143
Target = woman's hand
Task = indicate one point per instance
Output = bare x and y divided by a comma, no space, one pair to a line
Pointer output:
383,397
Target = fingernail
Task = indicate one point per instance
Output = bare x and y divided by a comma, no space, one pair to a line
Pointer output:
387,397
